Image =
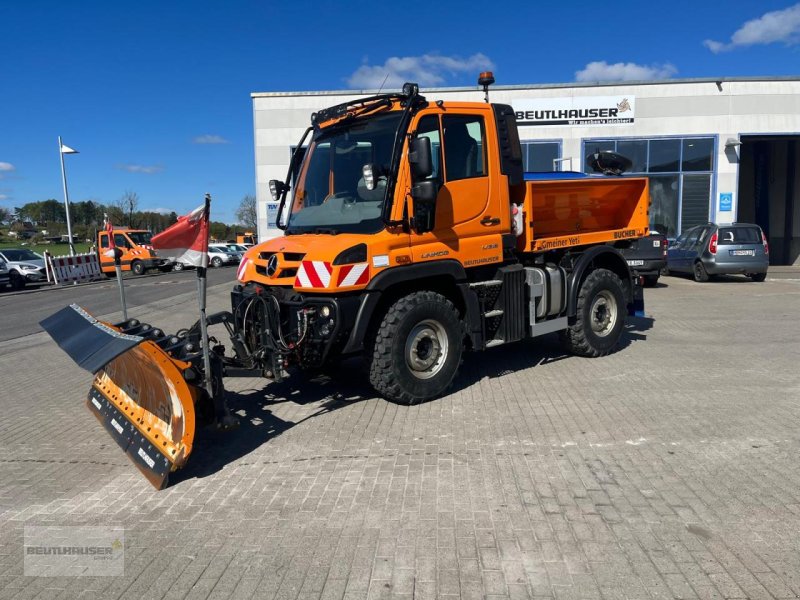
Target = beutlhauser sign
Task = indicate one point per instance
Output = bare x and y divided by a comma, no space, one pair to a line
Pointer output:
576,111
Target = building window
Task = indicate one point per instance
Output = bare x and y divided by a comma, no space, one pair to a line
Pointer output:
680,172
541,156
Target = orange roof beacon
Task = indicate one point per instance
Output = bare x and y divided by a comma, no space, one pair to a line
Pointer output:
411,235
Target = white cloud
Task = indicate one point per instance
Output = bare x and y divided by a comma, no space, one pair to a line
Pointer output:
160,210
4,166
775,26
210,139
4,197
146,169
602,71
426,70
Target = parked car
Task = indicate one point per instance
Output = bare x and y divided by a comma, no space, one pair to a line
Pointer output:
24,266
705,250
647,256
240,248
219,255
4,278
224,247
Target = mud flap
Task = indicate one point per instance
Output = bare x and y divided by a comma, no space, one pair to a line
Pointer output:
138,394
636,308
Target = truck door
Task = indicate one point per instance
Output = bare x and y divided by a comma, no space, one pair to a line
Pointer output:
462,156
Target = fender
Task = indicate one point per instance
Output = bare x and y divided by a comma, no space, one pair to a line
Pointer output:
402,274
603,256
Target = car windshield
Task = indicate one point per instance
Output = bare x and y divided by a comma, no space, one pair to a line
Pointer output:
140,237
330,195
738,235
14,255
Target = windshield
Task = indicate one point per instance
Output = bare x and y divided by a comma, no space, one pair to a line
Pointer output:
15,255
140,237
330,196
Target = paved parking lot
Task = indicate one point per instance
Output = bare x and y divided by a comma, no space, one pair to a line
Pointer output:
667,470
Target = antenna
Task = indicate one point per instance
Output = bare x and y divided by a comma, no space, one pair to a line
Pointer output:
383,82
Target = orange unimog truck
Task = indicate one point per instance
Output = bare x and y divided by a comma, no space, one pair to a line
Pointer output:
412,236
138,255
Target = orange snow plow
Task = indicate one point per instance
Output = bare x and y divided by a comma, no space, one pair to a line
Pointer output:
147,389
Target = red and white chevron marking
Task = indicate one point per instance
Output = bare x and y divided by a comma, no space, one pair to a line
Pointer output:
242,268
353,275
313,274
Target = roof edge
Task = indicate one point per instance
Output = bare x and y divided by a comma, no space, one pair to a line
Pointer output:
583,84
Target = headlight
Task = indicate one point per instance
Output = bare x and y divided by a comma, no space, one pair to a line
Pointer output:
28,267
325,311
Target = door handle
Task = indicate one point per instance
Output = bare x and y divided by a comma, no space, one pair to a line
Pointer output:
488,221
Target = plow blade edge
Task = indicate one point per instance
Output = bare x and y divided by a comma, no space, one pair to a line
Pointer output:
139,393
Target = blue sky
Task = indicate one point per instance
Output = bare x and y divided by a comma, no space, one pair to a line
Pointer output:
138,87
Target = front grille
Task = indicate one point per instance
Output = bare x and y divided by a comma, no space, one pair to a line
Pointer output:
293,256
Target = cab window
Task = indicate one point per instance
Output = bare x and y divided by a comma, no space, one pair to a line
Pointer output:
464,145
428,127
120,241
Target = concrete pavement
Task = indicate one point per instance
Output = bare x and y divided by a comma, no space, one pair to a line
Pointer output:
666,470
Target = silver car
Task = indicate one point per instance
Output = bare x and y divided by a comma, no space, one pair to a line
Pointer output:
25,266
219,254
705,250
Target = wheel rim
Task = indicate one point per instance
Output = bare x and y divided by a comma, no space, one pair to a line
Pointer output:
426,349
604,313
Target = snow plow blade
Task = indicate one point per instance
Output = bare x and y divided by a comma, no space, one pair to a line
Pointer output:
140,393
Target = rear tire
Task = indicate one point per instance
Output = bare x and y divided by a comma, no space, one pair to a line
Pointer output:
599,317
757,277
650,280
699,272
137,267
178,266
416,351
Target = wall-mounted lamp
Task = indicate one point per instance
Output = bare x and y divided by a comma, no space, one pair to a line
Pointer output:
732,143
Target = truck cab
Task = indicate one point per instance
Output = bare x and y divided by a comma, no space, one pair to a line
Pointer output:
138,255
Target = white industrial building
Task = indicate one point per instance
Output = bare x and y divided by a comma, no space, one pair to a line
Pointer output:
719,150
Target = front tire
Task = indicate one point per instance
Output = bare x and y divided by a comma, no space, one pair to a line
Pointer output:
216,262
599,316
699,272
417,349
16,280
137,268
178,266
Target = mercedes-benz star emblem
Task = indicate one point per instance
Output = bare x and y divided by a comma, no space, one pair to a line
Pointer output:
272,265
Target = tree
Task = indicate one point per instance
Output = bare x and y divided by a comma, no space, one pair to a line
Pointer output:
247,213
127,205
5,214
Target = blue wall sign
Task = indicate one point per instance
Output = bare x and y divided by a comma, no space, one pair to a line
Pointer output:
725,202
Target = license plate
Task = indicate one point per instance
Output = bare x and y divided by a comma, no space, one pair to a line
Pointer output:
743,252
656,243
635,263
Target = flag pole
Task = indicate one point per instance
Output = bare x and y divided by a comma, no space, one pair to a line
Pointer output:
66,196
201,299
117,268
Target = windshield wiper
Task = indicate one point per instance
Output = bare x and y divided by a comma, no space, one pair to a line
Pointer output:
328,230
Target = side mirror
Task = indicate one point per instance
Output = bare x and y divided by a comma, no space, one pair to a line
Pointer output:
424,194
420,158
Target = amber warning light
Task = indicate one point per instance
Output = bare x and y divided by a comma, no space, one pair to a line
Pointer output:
486,79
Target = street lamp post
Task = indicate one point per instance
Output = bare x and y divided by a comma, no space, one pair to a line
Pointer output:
62,150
